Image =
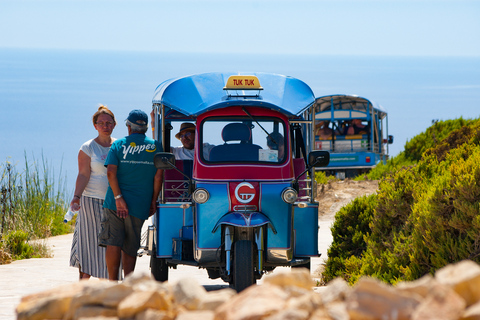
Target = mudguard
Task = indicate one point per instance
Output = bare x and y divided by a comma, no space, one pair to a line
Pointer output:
245,219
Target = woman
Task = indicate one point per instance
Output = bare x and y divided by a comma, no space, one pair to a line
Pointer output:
90,189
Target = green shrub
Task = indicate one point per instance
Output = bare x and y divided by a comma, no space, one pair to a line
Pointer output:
424,215
322,178
32,207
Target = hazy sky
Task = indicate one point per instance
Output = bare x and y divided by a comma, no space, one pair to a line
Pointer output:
383,27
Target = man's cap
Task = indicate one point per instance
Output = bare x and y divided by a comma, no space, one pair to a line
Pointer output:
138,117
186,126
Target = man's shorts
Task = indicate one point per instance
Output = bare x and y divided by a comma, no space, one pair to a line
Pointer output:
120,232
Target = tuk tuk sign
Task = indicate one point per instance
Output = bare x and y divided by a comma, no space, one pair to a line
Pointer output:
243,83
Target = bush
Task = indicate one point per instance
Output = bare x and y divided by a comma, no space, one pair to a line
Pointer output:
423,217
31,207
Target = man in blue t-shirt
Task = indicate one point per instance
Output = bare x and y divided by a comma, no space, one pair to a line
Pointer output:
134,185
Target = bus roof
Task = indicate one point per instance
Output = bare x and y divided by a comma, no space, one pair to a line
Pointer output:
196,94
348,102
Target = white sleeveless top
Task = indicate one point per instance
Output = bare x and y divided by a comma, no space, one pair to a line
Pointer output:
98,183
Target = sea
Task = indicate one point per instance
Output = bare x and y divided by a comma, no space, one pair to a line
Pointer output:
47,97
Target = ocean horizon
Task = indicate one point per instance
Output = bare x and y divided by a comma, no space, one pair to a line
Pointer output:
47,97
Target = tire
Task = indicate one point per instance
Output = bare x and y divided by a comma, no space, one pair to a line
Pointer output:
242,265
305,265
158,267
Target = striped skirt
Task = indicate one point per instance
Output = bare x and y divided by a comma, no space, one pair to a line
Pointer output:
85,253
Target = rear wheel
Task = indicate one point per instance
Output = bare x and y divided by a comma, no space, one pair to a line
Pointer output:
242,266
158,267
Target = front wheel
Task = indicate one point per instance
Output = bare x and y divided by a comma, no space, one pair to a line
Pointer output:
158,267
242,266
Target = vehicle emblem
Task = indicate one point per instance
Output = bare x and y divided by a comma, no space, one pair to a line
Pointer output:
244,192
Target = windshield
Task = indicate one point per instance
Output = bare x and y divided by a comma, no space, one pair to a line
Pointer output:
243,140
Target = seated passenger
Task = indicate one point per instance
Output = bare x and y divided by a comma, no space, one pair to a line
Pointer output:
275,141
323,130
357,127
187,136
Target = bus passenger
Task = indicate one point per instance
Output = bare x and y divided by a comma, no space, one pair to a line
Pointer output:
275,141
357,127
323,130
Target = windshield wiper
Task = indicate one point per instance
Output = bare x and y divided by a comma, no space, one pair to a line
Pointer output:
268,134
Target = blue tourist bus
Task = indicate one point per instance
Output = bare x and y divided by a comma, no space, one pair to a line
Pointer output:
355,132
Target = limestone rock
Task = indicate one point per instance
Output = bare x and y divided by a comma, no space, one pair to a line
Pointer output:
49,304
296,277
372,299
188,293
336,290
421,286
254,302
141,300
196,315
91,311
151,314
464,278
102,293
212,300
472,312
441,303
290,314
337,311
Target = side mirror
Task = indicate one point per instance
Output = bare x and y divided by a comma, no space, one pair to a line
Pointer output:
164,160
390,139
318,159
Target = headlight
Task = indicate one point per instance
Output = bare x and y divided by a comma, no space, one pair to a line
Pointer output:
289,195
200,195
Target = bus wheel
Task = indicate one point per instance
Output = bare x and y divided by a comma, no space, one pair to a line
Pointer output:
242,266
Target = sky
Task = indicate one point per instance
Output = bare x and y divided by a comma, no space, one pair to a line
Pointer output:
339,27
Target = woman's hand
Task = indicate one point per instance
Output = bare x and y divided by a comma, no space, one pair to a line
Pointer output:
75,204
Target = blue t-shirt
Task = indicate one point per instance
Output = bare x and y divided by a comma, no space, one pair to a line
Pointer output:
133,156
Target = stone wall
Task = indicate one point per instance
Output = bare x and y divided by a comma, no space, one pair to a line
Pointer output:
453,293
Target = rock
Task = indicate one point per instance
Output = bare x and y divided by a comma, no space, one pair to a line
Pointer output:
464,278
337,311
442,302
91,311
151,314
472,312
254,302
196,315
296,277
421,286
49,304
290,314
142,300
373,299
212,300
310,301
336,290
188,293
98,293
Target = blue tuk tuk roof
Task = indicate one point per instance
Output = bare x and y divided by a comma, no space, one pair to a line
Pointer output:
347,102
196,94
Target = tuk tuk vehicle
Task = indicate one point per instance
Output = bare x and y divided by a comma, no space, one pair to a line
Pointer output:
355,132
246,202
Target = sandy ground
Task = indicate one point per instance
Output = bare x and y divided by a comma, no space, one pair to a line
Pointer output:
24,277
